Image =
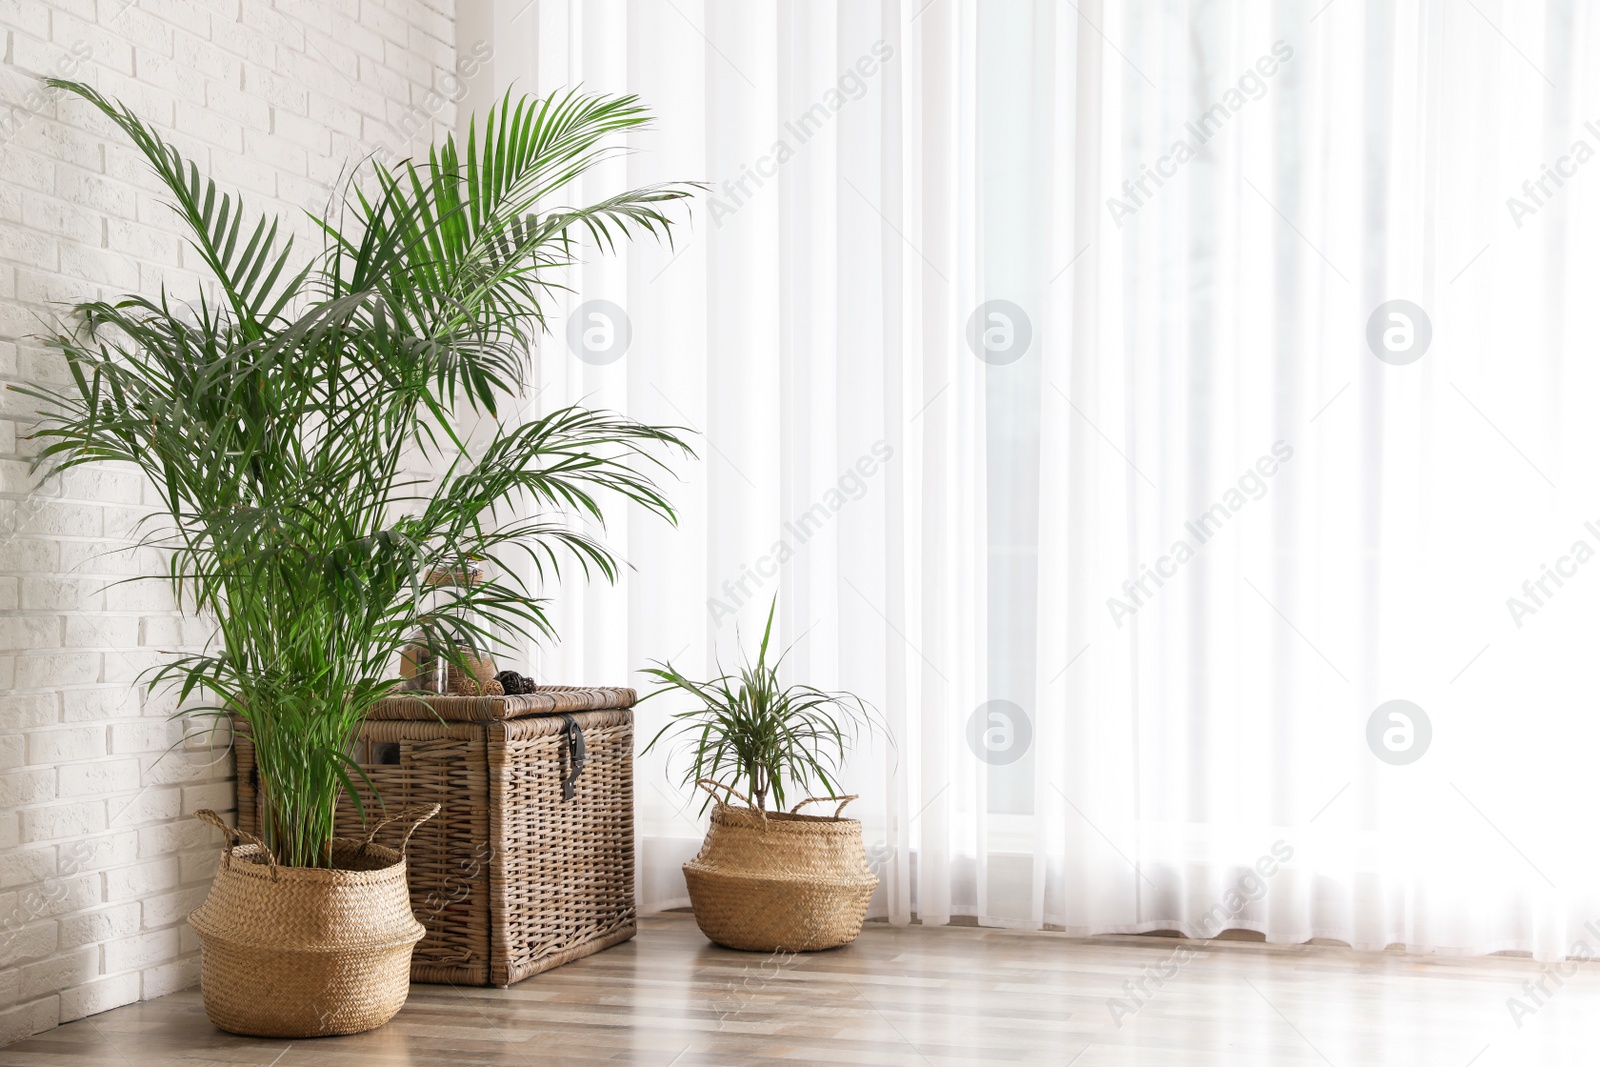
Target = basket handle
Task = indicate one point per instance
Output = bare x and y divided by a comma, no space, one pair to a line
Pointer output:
417,815
236,835
711,785
837,812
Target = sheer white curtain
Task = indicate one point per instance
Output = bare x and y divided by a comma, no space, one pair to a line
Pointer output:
1036,354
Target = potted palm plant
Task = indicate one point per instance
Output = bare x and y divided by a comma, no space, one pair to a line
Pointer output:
771,880
304,421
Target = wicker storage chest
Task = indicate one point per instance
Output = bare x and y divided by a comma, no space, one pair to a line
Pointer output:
513,876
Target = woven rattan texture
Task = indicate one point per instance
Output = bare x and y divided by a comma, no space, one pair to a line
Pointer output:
297,952
566,881
508,879
792,883
547,700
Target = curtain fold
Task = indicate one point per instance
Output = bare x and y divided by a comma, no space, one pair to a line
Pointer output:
1177,419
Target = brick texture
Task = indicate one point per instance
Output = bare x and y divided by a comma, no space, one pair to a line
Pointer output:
99,860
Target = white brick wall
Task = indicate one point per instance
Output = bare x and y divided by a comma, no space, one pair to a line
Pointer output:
99,861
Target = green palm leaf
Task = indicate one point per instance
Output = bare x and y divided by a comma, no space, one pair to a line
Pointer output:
252,277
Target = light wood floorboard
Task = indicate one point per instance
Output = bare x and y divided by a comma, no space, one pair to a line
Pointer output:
916,996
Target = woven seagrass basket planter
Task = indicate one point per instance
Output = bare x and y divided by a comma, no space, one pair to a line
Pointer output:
300,951
529,863
780,881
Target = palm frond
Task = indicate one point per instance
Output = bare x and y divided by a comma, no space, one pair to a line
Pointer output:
252,274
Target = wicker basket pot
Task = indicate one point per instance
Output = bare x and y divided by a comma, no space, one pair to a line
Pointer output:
301,951
779,881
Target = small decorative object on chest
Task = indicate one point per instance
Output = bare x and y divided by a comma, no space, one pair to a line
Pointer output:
442,658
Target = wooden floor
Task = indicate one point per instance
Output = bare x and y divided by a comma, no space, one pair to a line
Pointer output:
918,995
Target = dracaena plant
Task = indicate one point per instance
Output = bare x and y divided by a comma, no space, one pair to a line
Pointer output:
748,730
326,432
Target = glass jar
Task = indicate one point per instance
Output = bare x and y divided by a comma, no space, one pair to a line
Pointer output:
423,671
425,660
